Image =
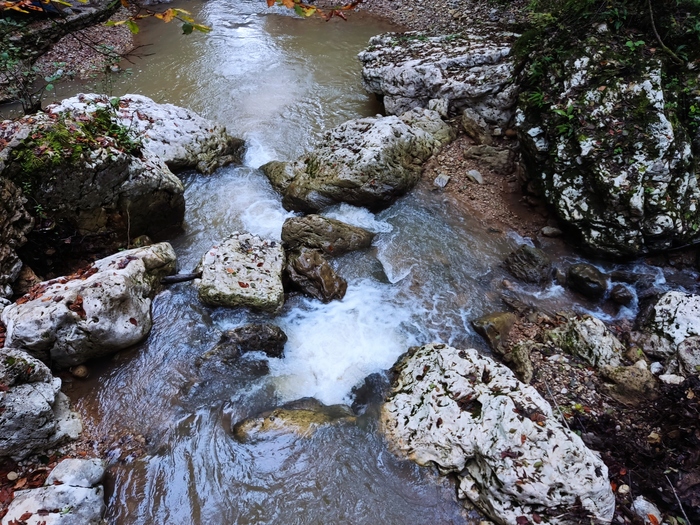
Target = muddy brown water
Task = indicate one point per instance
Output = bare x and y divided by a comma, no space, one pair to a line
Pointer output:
280,82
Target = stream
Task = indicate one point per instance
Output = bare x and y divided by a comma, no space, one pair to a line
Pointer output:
279,82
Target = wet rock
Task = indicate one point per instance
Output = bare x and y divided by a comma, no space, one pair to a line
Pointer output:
468,71
587,280
301,418
35,413
676,316
366,162
493,158
471,417
308,271
689,355
243,270
588,338
92,313
331,236
494,328
266,338
621,294
631,384
529,264
15,224
72,495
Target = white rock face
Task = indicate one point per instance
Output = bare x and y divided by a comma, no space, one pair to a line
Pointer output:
588,338
410,70
689,356
170,134
366,162
92,313
470,416
244,270
34,414
79,500
676,316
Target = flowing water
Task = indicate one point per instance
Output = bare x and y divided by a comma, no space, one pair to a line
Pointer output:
279,82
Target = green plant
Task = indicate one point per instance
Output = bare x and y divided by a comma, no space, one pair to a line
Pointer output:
634,45
536,98
567,126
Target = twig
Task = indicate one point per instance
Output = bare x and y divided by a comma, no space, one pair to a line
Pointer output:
658,37
678,500
556,404
128,226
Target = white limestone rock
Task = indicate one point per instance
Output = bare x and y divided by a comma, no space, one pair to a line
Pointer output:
587,337
470,416
676,316
78,500
34,413
409,70
243,270
92,313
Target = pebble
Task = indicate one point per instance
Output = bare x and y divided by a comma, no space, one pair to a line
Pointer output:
441,180
623,489
475,176
671,379
12,476
656,368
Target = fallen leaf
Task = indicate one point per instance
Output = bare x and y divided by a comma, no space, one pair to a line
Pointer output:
133,321
243,285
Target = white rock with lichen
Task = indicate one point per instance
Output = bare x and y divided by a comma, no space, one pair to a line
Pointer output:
676,316
470,416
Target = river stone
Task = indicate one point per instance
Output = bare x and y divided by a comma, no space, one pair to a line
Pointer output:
689,356
467,71
92,313
471,417
676,316
365,162
494,327
331,236
176,136
310,272
301,418
631,384
15,224
266,338
35,413
587,280
243,270
587,337
77,499
621,294
529,264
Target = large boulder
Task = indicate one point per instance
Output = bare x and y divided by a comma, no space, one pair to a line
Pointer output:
331,236
365,162
92,313
72,495
470,416
243,270
34,413
15,224
676,316
588,338
309,271
530,264
603,140
410,70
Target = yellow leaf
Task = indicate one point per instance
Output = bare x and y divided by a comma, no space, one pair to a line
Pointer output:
201,28
168,15
289,4
270,3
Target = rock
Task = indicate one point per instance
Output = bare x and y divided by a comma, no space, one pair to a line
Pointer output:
495,328
588,338
644,510
475,127
689,355
471,417
77,500
671,379
25,281
365,162
475,176
529,264
632,384
493,158
15,224
551,231
676,316
621,294
468,71
301,418
243,270
176,136
266,338
621,194
311,273
441,180
92,313
35,413
80,371
331,236
653,345
587,280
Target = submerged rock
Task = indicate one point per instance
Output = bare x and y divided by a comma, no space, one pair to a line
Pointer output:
92,313
366,162
34,413
408,70
244,270
72,495
530,264
301,418
311,273
470,416
266,338
331,236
